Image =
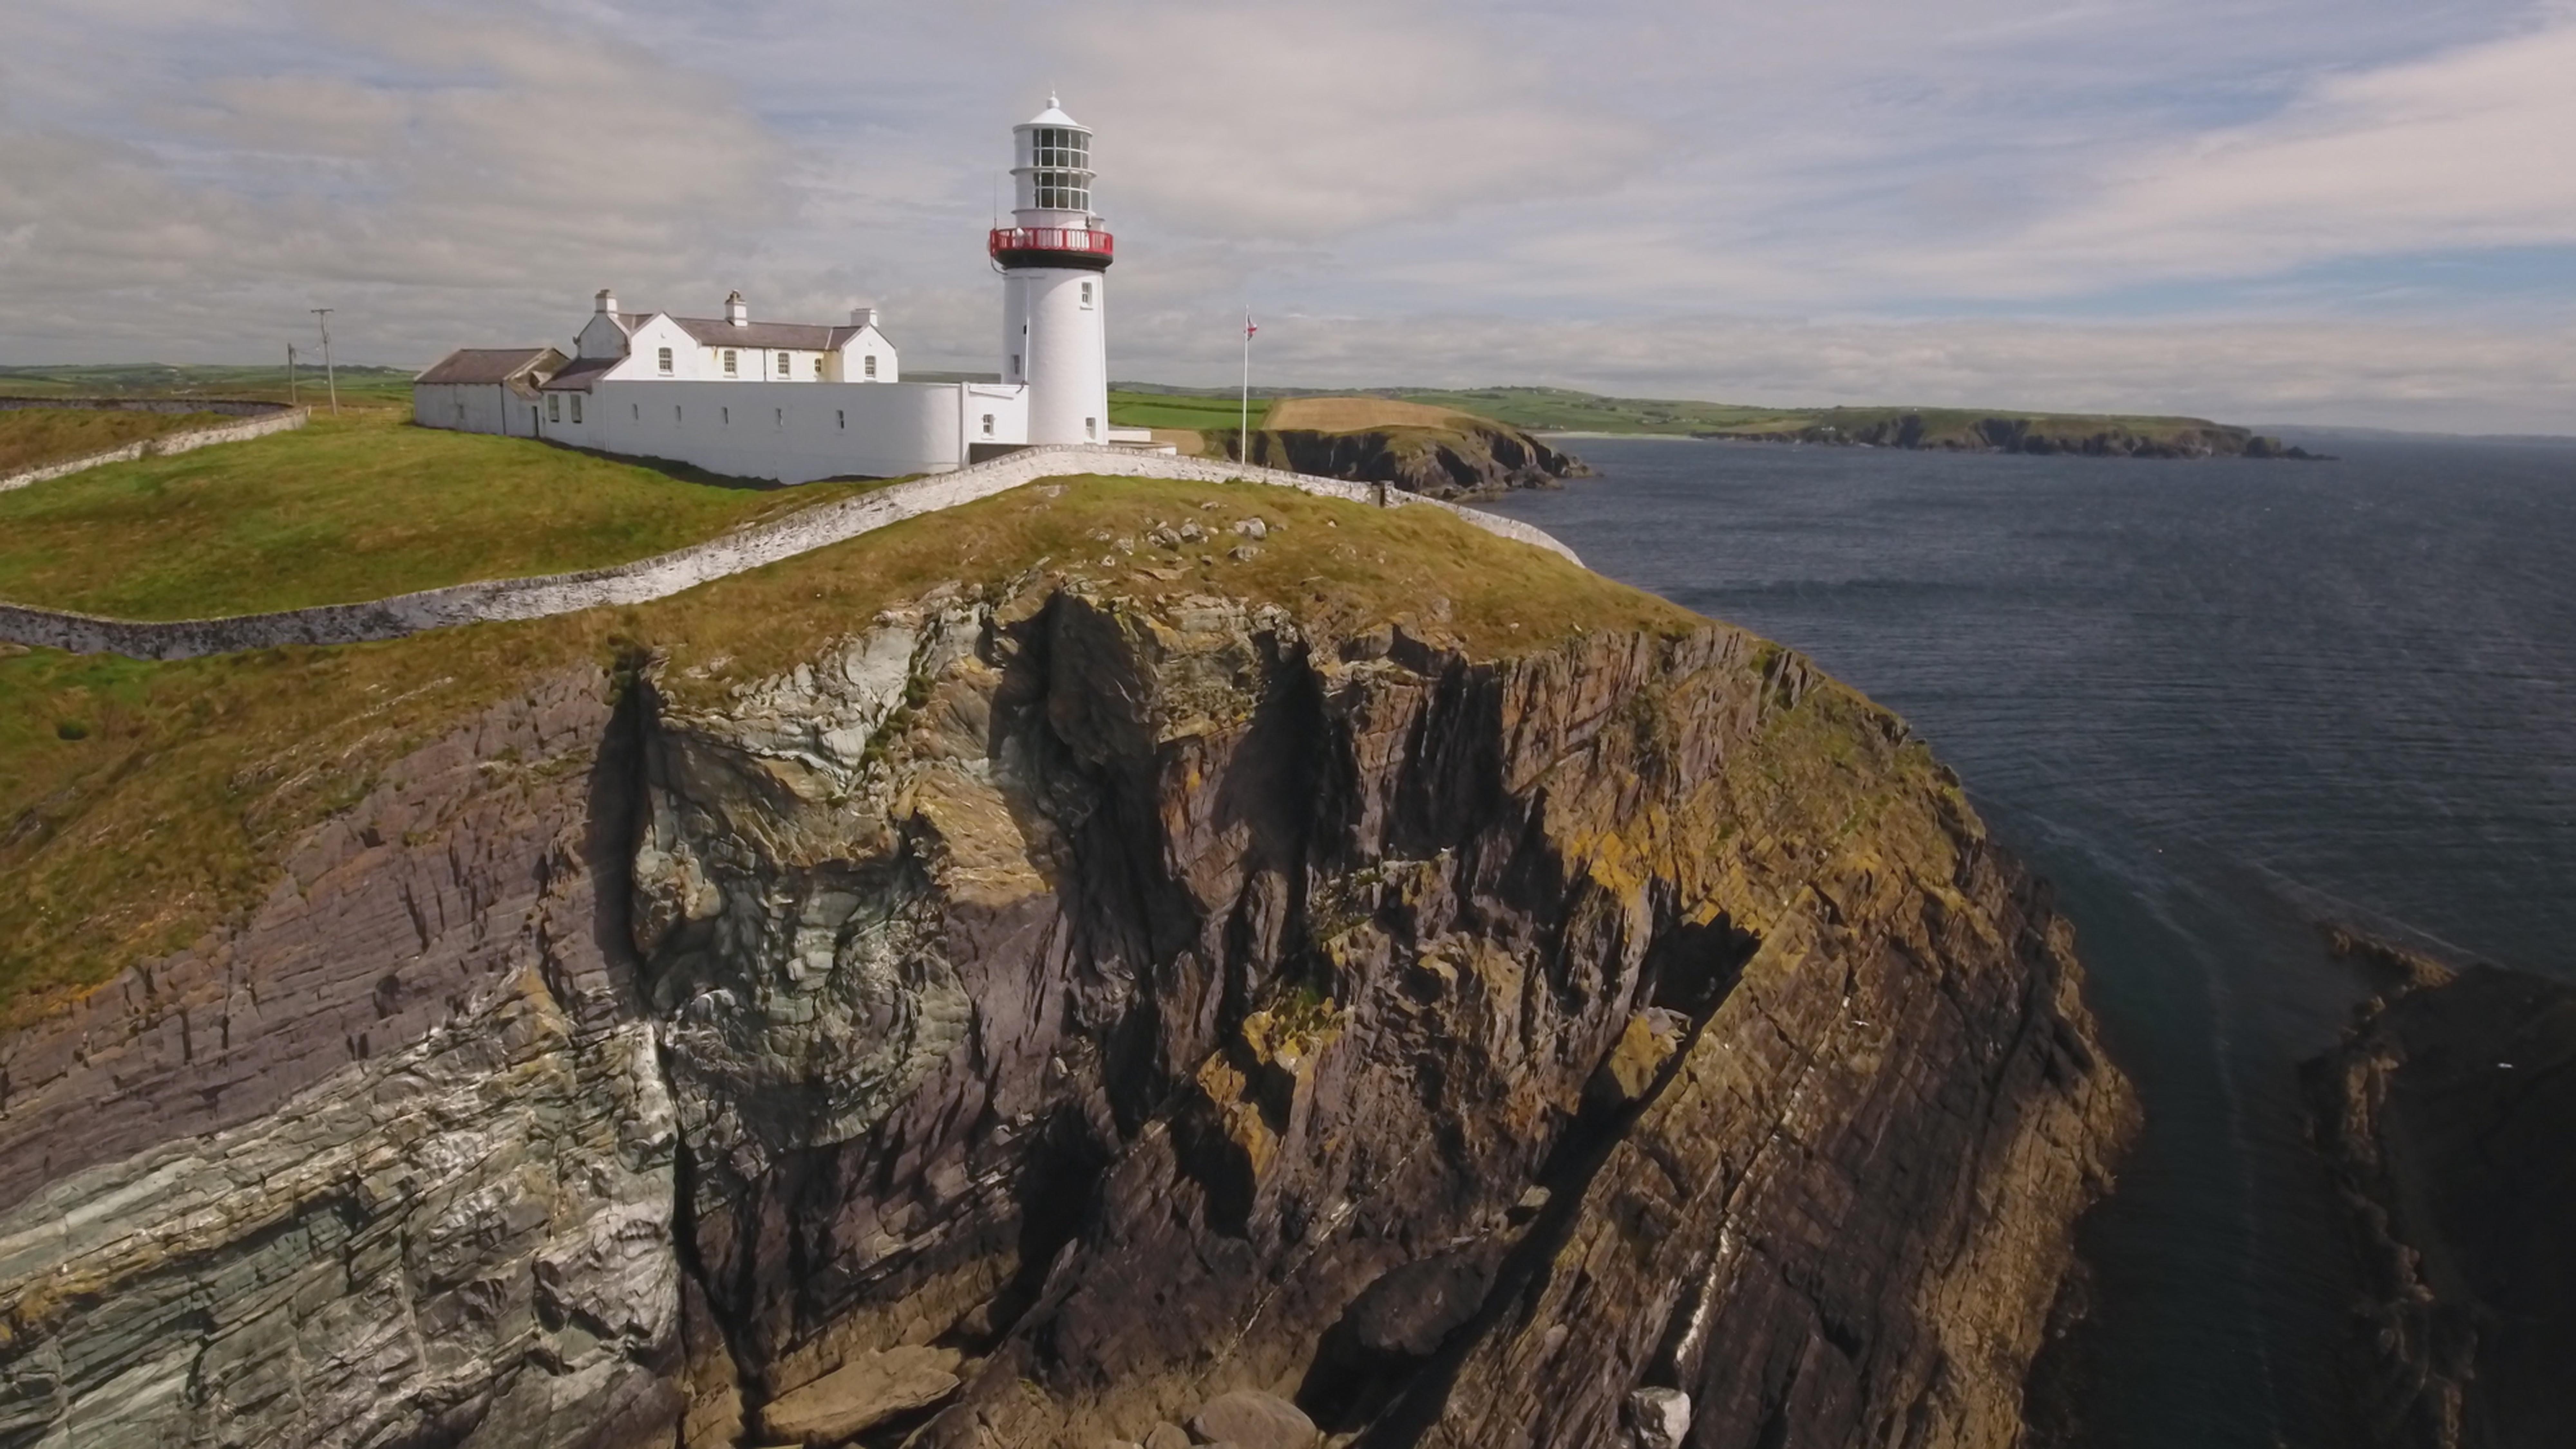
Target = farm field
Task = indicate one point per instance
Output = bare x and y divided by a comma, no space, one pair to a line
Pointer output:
35,437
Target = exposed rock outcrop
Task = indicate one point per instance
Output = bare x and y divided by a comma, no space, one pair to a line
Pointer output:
1467,458
1112,1006
2447,1116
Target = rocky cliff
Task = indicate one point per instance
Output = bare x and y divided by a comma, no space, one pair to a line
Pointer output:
1076,999
1461,458
2446,1116
2023,433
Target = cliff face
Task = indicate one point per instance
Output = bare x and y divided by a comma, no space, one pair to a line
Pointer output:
2446,1116
1465,459
1047,1010
2038,435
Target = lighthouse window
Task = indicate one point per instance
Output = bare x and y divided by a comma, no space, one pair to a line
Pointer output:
988,425
1015,364
1091,428
1086,294
1062,191
870,365
732,364
665,360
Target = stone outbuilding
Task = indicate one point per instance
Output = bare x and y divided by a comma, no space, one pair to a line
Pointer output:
486,390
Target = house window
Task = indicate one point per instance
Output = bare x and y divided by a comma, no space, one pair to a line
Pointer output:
841,417
1091,428
576,407
1086,294
988,425
554,408
870,366
664,357
732,363
783,362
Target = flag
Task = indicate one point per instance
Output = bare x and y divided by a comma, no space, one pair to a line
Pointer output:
1248,328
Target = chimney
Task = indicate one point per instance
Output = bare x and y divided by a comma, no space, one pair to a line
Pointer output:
607,303
863,316
735,312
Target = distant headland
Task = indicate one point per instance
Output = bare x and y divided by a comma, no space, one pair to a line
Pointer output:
1564,410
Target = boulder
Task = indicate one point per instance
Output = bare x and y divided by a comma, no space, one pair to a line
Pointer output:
1251,1419
1660,1417
861,1394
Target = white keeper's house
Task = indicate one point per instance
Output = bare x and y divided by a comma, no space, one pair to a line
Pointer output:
798,401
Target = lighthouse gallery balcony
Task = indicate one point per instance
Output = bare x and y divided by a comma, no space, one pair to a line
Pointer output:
1052,246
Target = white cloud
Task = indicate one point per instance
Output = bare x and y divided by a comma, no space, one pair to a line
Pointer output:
2474,148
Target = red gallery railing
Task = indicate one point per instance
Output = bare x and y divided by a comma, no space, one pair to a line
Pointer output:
1052,239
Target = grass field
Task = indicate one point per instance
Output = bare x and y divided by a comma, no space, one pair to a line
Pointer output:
142,804
1182,410
359,386
348,508
1357,414
35,437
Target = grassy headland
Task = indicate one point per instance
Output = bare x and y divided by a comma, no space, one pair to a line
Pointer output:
142,804
359,386
348,508
1564,410
34,437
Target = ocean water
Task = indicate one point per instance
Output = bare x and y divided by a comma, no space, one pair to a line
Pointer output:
2213,702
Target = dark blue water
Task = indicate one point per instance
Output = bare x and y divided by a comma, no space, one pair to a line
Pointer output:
2213,703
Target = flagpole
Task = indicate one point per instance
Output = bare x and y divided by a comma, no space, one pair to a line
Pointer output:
1243,431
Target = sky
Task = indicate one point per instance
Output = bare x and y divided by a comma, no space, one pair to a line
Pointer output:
2354,212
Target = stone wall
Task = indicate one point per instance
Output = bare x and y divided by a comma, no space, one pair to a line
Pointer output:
671,573
258,419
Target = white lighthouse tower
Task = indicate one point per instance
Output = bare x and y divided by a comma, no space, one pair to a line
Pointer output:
1055,287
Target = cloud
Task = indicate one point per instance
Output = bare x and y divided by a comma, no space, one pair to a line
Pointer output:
399,155
2475,148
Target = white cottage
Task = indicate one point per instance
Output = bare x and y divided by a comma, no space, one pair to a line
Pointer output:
486,390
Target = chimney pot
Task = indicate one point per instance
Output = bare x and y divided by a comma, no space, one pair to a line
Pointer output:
607,302
735,312
863,316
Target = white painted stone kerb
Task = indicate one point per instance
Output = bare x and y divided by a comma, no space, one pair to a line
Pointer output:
271,418
670,573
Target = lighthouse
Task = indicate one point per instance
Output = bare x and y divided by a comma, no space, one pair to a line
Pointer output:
1054,259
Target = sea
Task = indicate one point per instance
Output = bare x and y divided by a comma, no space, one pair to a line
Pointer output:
2215,703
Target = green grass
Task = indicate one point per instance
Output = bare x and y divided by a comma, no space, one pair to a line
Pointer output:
362,386
346,509
1182,410
142,804
34,437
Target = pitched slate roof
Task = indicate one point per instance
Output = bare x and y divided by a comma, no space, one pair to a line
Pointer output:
793,336
579,374
491,364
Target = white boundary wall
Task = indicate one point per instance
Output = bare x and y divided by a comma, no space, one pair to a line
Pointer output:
282,420
795,432
671,573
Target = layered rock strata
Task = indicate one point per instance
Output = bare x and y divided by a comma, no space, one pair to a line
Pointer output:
2446,1116
1043,1014
1468,458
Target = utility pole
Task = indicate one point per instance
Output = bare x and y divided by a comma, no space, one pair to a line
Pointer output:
290,375
328,375
1243,433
